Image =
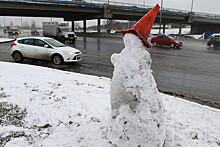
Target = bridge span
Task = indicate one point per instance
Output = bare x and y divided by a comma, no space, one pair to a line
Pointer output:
99,9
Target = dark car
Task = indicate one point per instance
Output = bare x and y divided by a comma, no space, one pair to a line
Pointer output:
5,30
215,41
35,33
166,40
14,32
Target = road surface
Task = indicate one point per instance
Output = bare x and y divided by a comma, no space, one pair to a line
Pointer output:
193,70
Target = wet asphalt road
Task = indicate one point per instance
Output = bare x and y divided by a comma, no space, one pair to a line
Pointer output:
193,70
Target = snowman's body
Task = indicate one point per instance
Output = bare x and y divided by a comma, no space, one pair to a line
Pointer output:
137,116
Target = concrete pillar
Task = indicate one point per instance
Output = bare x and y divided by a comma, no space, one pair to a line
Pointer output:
180,29
99,26
73,26
164,28
84,25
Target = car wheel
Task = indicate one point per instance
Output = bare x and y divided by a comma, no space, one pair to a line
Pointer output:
172,45
155,43
212,45
57,59
18,57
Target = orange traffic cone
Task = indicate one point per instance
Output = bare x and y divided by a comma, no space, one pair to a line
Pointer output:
143,26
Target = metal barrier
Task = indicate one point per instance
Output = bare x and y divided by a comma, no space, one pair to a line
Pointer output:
118,5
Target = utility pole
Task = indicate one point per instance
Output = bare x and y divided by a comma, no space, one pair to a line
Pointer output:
21,21
192,6
4,21
161,15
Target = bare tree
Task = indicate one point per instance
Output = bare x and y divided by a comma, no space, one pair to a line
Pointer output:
33,24
26,24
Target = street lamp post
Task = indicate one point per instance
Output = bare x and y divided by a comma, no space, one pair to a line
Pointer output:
21,21
192,6
161,15
4,20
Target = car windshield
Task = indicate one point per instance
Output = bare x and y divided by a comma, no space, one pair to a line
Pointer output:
171,37
54,43
65,29
14,29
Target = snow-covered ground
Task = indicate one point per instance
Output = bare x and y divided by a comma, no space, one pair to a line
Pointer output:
171,31
5,40
46,107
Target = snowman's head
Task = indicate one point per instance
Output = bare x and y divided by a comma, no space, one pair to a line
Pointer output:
132,41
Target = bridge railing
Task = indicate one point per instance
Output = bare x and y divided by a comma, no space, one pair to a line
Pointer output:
122,4
198,14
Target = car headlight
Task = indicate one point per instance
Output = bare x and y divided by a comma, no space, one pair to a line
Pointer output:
66,36
70,53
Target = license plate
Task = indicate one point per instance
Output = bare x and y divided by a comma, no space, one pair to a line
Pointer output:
71,37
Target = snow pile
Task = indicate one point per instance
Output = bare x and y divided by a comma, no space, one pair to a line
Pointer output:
2,40
190,124
172,31
47,107
137,117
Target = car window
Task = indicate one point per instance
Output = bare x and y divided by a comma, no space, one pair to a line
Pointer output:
210,37
20,41
160,37
54,43
28,41
213,39
164,37
39,43
171,38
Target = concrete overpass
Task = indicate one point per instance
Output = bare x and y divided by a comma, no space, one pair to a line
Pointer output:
73,11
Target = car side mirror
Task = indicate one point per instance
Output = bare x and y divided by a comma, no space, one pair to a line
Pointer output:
46,46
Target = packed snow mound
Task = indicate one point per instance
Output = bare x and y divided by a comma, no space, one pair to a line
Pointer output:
52,108
137,117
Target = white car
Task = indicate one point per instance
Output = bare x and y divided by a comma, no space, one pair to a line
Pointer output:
43,48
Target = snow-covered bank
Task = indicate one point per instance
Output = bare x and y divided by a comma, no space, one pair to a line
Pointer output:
47,107
6,40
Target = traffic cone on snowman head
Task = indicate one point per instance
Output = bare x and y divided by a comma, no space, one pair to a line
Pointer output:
143,26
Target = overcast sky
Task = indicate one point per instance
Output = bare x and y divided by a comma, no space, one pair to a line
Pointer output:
205,6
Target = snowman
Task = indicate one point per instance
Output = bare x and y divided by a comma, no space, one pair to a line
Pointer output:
137,112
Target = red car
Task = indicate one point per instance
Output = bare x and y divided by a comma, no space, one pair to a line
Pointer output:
166,40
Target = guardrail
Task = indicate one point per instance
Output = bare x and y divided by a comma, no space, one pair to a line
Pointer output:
199,14
100,3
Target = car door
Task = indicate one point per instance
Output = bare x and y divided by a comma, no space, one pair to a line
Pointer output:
40,51
217,42
159,40
166,40
214,41
26,47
